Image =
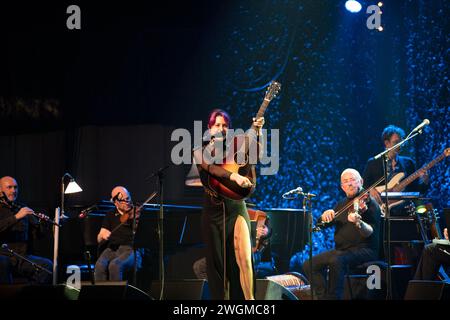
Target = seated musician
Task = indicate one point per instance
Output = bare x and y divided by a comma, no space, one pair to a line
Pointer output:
433,257
116,235
17,227
396,164
356,238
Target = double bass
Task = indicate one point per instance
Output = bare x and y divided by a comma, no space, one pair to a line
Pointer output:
259,218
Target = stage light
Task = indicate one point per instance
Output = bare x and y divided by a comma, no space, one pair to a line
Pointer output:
380,28
353,6
421,209
380,4
73,187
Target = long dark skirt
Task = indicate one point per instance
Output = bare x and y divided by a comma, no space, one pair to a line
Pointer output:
215,215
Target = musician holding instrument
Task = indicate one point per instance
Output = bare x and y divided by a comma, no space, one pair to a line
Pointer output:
357,221
396,164
434,256
116,234
18,226
224,218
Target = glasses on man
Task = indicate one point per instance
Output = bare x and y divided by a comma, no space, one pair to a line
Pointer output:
126,200
348,181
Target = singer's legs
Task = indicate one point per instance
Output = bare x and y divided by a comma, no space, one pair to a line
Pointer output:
432,258
5,270
243,252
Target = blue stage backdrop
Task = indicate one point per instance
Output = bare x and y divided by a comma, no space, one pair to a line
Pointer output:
341,85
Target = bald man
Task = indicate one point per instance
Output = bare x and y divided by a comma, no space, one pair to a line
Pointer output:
16,229
356,238
118,257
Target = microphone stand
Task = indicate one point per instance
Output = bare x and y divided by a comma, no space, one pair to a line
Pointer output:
87,256
134,230
19,256
307,201
160,180
387,215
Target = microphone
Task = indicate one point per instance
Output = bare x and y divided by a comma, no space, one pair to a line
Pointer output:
420,126
298,190
86,211
6,248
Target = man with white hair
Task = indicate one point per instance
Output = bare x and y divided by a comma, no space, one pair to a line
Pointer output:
117,234
356,237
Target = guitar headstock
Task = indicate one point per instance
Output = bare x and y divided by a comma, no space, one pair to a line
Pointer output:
272,90
447,152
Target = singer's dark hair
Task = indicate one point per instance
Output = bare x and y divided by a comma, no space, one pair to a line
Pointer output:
216,113
391,130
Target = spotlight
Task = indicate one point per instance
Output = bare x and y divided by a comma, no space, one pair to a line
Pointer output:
353,6
380,28
380,4
421,209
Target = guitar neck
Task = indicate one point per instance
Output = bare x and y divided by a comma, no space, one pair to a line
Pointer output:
261,111
402,185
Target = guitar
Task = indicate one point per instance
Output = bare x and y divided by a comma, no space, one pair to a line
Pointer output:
396,184
237,161
438,238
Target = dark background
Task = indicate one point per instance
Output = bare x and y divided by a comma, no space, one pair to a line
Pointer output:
101,102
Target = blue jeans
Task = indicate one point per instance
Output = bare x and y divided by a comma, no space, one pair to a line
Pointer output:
116,263
338,262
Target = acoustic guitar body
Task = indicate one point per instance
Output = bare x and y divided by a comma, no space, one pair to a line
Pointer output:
236,161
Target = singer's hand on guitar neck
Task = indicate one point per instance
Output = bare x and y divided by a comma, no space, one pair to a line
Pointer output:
242,181
258,123
23,212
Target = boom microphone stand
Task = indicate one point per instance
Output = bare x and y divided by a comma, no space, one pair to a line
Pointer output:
19,256
307,207
387,216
